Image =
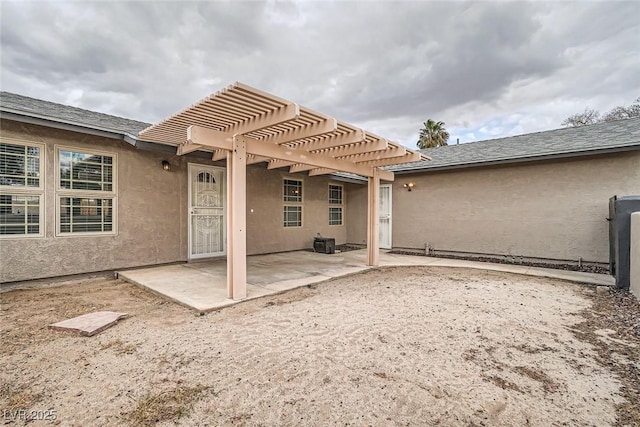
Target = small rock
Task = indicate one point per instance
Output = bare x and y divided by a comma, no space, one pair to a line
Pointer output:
602,290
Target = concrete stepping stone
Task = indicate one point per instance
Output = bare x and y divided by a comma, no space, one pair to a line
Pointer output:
89,324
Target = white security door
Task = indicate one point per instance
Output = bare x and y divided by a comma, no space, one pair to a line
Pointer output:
207,222
385,216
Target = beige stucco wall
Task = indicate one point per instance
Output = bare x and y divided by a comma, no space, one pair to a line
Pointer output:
357,213
634,277
553,210
265,232
152,212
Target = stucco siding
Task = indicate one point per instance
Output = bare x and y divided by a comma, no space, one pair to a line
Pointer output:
265,232
553,210
152,212
151,205
357,214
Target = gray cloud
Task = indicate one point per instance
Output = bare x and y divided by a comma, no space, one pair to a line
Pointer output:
486,69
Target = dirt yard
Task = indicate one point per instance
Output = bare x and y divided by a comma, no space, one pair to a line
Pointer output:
397,346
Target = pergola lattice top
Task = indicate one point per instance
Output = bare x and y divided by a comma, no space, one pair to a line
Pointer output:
279,132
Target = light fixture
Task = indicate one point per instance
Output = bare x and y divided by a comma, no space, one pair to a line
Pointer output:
409,185
166,165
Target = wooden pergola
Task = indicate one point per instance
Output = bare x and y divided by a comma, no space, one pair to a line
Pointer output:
245,126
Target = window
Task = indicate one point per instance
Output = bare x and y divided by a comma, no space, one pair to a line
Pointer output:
292,190
293,216
21,189
292,210
85,215
82,171
335,216
335,204
86,192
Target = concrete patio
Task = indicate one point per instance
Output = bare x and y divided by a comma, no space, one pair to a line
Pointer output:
202,285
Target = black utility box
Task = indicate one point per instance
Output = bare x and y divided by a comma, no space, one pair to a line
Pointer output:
324,245
620,210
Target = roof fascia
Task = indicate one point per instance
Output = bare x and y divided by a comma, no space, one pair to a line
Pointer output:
351,180
607,150
169,149
59,124
73,127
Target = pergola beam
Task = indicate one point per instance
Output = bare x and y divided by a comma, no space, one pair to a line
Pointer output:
275,164
253,159
321,171
318,160
301,168
219,155
187,147
223,140
202,133
203,136
395,152
339,152
409,157
342,151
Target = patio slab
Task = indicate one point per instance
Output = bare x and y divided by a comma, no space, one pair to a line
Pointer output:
202,285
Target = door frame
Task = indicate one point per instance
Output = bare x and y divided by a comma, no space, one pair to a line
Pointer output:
223,187
390,187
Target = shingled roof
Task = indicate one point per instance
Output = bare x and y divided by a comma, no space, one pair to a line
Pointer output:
619,135
598,138
37,108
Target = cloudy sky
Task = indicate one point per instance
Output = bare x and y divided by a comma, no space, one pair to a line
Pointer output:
487,69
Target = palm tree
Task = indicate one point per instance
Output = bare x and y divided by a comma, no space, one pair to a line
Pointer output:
433,134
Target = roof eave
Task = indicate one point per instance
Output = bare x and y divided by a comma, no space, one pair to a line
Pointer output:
582,153
36,119
52,122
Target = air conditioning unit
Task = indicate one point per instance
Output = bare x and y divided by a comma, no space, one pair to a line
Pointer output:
324,245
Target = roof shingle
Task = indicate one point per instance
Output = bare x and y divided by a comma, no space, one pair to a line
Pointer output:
580,140
72,115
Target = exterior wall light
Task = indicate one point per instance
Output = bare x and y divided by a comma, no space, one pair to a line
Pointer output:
409,185
166,165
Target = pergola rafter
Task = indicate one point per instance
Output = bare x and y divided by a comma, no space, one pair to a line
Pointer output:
321,171
205,137
246,126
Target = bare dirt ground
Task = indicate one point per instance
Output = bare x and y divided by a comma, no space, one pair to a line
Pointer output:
396,346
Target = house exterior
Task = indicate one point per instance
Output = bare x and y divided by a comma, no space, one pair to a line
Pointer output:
83,192
86,192
542,196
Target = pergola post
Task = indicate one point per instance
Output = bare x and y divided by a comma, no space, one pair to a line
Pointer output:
237,219
373,237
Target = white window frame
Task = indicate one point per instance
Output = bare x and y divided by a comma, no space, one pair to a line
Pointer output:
286,204
284,222
336,205
91,194
11,190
